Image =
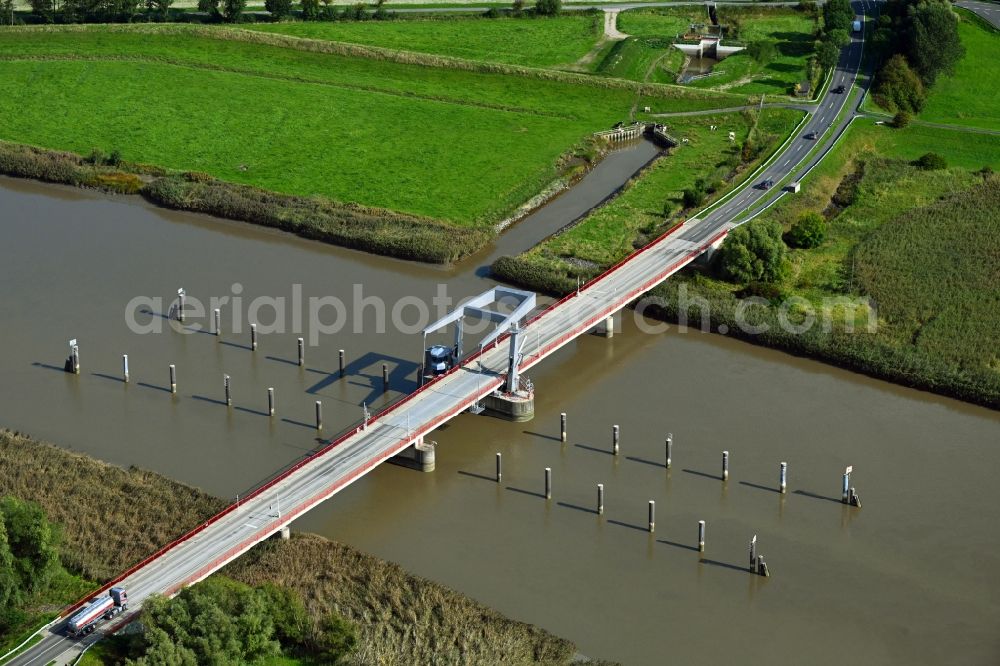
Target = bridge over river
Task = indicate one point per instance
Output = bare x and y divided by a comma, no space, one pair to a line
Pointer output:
345,459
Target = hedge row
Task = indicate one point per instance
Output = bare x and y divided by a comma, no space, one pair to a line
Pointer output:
526,271
371,229
359,227
67,168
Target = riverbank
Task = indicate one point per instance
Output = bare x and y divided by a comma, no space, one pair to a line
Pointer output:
489,136
350,225
113,517
937,339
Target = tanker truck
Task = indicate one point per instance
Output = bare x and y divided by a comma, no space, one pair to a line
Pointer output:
99,608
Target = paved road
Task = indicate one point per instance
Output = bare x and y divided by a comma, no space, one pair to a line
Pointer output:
807,107
988,10
821,121
353,455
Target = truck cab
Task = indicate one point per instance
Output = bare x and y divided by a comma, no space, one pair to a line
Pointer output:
438,360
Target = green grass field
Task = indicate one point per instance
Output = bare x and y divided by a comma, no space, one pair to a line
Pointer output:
970,96
665,23
454,144
820,271
790,31
540,42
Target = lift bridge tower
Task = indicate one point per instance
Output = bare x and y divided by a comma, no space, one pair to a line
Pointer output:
515,399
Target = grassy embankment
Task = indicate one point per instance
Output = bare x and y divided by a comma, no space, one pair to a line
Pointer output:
640,213
454,145
791,32
114,517
534,42
647,54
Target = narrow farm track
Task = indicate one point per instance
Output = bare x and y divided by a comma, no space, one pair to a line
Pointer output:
945,126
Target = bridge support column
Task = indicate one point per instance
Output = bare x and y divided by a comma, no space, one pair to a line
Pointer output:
609,326
516,407
286,533
706,257
418,456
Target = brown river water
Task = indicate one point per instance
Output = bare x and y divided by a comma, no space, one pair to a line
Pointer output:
911,577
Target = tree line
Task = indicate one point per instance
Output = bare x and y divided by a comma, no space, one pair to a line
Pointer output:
838,15
217,621
918,41
222,621
227,11
29,558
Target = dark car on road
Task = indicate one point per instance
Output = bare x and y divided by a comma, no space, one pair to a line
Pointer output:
766,184
812,136
839,90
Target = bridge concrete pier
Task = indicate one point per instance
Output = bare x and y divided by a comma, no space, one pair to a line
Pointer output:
418,456
706,257
518,406
286,533
606,328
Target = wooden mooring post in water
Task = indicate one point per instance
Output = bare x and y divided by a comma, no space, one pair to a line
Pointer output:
548,483
670,449
173,379
701,536
319,415
270,402
229,395
562,427
125,368
302,353
499,467
725,465
615,437
600,499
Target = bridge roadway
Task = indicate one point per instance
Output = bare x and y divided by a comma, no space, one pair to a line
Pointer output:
988,10
347,458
